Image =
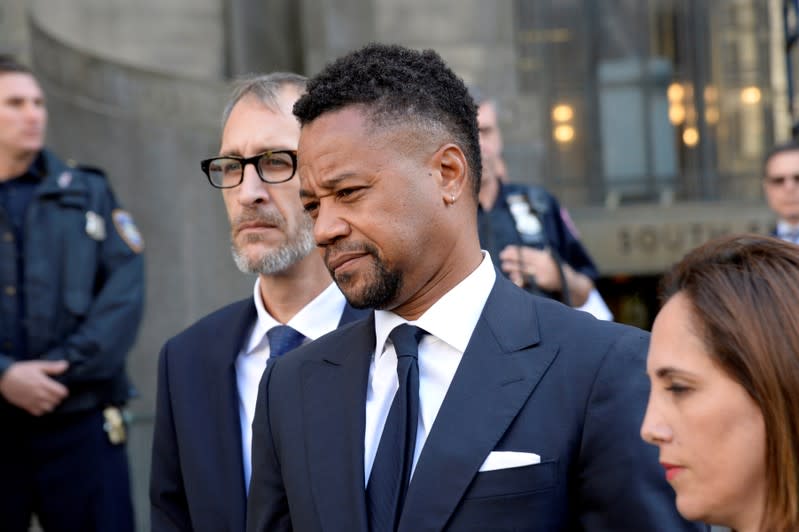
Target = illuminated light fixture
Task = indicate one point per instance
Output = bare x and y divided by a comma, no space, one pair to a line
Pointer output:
690,137
564,133
675,92
712,115
676,113
711,94
750,95
562,113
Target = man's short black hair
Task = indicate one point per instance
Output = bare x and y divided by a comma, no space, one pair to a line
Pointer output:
397,84
785,147
9,64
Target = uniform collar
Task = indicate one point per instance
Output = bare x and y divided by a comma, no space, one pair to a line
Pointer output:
36,172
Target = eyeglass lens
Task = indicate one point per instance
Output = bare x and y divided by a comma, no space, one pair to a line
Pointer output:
274,167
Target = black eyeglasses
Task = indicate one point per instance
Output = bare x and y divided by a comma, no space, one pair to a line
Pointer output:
780,180
272,167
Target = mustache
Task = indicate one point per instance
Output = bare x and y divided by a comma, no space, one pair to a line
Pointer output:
341,247
268,216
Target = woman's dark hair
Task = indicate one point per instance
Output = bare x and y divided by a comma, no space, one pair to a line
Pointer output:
744,293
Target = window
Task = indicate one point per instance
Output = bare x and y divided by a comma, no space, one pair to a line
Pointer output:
651,100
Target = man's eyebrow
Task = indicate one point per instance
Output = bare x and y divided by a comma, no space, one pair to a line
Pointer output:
233,152
328,183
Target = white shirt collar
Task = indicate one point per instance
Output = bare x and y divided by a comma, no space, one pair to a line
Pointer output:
320,316
784,228
452,318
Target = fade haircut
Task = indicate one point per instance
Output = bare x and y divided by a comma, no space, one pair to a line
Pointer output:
743,291
265,87
8,65
398,85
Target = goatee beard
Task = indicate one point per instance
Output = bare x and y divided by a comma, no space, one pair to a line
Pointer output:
298,245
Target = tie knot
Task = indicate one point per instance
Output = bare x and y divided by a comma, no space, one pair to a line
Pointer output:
283,339
406,338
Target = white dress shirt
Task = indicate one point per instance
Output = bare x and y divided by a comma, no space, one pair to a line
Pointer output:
787,232
450,323
315,319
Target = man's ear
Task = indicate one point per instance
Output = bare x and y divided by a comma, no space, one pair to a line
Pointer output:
452,172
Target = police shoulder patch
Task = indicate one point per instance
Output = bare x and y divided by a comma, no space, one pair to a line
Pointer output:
127,230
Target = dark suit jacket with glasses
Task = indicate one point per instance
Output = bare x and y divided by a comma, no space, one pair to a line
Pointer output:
536,377
197,478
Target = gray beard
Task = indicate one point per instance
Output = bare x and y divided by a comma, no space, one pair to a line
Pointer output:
273,261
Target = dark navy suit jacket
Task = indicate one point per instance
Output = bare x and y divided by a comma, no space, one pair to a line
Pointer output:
197,479
536,377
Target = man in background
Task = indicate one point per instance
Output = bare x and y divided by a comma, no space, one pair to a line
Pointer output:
72,281
529,236
208,375
781,187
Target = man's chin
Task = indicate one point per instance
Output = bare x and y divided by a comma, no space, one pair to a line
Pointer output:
361,300
364,294
250,258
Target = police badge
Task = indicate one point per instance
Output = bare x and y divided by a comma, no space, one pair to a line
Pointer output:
95,226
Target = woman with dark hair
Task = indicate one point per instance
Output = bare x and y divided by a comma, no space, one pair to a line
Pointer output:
724,367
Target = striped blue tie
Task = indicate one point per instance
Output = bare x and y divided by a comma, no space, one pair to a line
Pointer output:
283,339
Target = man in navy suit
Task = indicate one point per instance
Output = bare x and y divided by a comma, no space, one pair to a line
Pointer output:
781,188
208,375
463,402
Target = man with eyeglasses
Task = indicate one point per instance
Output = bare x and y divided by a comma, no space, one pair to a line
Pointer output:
781,186
208,375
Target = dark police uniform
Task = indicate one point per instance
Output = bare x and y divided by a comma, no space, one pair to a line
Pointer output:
71,288
528,215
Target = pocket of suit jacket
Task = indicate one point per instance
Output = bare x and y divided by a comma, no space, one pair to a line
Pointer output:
514,480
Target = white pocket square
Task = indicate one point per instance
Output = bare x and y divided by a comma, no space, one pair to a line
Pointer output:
508,459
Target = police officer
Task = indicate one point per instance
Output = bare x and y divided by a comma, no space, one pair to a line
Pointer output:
527,233
71,295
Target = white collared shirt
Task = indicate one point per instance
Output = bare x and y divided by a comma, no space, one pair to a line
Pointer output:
315,319
450,321
784,229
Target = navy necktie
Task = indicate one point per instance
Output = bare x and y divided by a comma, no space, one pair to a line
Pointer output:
391,471
283,339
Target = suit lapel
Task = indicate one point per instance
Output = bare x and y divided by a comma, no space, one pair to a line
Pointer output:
351,314
227,347
499,370
334,398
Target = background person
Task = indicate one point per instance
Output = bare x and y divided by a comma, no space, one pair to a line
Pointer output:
464,402
528,234
72,281
724,366
781,187
208,375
